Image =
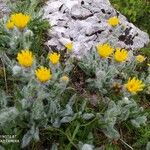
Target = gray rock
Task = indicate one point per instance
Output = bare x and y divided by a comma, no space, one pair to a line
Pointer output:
84,22
3,8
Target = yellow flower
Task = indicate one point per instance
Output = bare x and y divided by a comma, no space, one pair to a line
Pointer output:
43,74
104,50
113,21
148,65
9,25
134,85
65,78
25,58
140,58
54,58
69,46
120,55
20,20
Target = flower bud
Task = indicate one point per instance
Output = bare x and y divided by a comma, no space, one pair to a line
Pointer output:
28,33
65,79
16,70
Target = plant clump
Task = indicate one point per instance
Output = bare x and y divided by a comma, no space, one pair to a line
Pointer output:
53,99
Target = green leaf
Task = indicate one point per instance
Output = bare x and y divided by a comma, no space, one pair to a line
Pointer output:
7,115
27,139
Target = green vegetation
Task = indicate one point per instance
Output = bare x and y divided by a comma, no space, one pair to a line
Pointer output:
70,112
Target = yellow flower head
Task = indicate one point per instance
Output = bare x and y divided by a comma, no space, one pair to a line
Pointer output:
25,58
113,21
9,25
20,20
64,78
104,50
120,55
140,58
43,74
134,85
54,58
69,46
